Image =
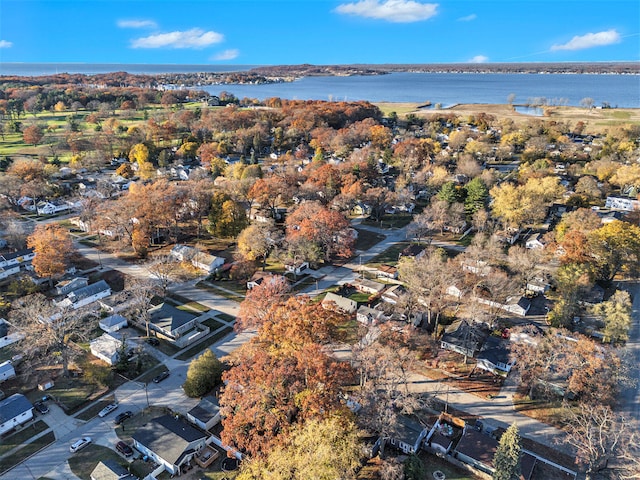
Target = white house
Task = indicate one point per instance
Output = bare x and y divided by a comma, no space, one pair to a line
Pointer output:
203,261
113,323
407,435
21,257
206,414
337,302
169,442
107,348
67,286
296,268
50,208
370,316
6,371
535,241
86,295
621,203
495,356
6,272
368,286
14,411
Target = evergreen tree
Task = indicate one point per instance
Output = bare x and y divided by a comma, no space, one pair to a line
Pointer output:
449,192
507,458
204,373
477,195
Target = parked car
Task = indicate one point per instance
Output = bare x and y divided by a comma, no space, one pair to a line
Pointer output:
108,409
121,417
41,407
153,341
124,449
79,444
159,378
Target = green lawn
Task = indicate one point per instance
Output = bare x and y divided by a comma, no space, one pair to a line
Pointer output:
26,451
22,436
367,239
212,323
194,307
226,317
389,256
211,288
360,297
433,463
83,462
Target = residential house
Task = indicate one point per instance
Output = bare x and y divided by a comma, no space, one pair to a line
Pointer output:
495,356
392,294
387,271
169,442
407,435
86,295
19,258
203,261
508,235
176,326
537,286
337,302
50,208
296,268
464,339
535,241
113,323
413,250
111,470
6,371
610,216
361,209
6,272
368,286
107,348
206,414
261,277
516,305
14,411
621,203
447,427
66,286
478,267
370,316
476,449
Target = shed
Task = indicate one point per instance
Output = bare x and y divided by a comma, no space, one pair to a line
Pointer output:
206,414
113,323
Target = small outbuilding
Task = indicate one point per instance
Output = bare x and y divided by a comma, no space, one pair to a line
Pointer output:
206,414
113,323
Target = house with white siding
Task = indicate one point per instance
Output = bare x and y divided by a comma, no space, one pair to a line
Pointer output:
86,295
14,411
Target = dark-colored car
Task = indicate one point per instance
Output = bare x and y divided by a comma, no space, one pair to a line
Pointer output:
121,417
159,378
124,449
41,407
153,341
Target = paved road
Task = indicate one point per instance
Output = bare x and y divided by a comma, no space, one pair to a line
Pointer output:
630,401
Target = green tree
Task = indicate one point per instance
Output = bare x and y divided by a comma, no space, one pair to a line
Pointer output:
449,192
414,469
507,458
617,316
477,196
204,373
233,219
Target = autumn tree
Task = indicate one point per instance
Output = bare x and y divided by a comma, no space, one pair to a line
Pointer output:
256,308
53,247
139,154
328,229
257,241
616,313
507,458
32,135
615,248
596,432
49,328
204,373
320,449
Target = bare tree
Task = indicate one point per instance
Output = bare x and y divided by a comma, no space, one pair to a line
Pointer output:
49,328
163,269
141,293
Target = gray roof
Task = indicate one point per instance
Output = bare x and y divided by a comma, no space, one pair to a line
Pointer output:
465,336
110,470
112,320
6,367
167,437
88,291
168,317
478,446
207,409
342,303
496,350
13,406
19,253
406,430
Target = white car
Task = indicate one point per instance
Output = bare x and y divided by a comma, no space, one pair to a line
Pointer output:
108,409
79,444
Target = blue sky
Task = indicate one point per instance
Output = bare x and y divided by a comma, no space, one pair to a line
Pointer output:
269,32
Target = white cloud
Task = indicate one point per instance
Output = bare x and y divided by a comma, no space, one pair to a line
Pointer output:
590,40
5,44
400,11
137,24
194,38
226,55
468,18
479,59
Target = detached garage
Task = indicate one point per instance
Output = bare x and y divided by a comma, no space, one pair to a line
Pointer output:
113,323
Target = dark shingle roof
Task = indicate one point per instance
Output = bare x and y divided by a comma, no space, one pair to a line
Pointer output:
13,406
88,291
496,350
478,446
206,409
168,317
167,437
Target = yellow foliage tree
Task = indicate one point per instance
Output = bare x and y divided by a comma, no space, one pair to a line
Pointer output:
52,246
139,153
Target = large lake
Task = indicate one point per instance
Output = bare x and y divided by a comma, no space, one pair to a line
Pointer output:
452,88
444,88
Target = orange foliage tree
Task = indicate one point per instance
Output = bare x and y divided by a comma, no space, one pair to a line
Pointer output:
52,246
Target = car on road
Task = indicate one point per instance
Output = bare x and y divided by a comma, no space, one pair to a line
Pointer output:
124,449
108,409
153,341
159,378
79,444
41,407
121,417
